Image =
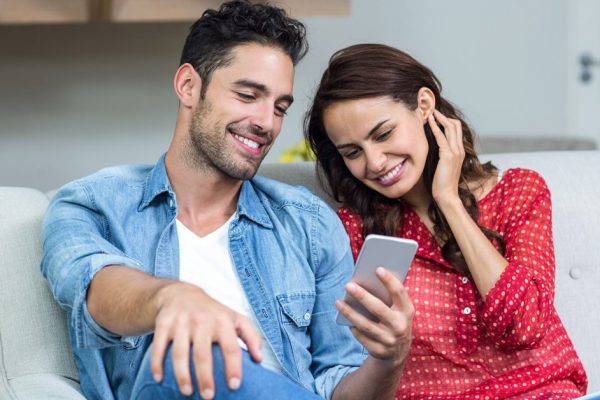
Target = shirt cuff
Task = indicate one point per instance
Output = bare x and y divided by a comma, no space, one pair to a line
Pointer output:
88,333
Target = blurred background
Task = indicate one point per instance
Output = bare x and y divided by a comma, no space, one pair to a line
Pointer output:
86,84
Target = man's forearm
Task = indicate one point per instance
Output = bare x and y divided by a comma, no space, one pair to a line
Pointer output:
123,300
375,379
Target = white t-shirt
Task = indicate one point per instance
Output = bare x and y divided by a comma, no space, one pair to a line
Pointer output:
206,263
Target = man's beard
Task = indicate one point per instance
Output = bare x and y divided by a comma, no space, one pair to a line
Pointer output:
208,148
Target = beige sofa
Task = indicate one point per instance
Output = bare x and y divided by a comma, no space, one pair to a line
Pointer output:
35,359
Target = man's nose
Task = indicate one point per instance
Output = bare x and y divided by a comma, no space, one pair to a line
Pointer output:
264,117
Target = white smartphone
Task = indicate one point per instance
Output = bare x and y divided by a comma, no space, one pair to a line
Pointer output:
394,254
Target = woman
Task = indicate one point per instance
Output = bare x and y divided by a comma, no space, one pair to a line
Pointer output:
401,160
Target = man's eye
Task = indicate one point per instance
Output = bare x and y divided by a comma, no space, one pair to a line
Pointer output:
246,96
281,111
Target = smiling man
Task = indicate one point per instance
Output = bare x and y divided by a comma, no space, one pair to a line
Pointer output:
192,276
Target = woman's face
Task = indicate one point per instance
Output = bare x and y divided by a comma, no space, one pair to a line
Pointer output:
382,142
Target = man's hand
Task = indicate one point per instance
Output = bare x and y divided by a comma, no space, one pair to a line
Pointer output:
388,339
187,317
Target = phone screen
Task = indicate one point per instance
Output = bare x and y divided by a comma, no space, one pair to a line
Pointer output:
394,254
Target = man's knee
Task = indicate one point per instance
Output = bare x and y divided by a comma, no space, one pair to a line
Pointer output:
146,387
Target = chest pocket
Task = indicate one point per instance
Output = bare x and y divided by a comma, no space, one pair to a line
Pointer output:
297,308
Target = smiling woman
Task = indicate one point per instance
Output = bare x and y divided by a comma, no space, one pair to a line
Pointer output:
401,160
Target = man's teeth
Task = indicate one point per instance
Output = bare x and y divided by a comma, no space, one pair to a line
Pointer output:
246,141
391,174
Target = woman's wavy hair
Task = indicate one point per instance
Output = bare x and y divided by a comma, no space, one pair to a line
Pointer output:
375,70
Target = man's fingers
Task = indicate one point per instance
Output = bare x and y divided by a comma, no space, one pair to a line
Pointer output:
250,336
203,364
180,354
232,356
159,347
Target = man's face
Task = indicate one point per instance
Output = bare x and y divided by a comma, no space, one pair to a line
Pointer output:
234,126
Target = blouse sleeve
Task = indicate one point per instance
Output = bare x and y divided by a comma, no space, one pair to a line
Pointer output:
518,307
353,225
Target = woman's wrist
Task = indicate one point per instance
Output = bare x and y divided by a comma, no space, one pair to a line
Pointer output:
448,202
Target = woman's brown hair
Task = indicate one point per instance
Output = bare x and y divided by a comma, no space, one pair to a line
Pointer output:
376,70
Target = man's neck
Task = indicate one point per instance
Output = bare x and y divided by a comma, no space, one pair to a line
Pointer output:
206,198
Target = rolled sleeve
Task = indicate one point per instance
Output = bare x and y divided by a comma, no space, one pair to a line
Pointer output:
517,308
74,250
336,353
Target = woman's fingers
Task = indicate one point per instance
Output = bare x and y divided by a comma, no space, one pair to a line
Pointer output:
452,130
439,136
395,288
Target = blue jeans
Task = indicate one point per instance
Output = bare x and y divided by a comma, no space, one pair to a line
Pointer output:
257,382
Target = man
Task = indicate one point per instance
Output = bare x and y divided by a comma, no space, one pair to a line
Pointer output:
179,278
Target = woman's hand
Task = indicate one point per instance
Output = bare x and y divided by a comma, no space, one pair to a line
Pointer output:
389,339
452,155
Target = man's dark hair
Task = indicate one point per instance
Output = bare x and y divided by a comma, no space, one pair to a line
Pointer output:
212,38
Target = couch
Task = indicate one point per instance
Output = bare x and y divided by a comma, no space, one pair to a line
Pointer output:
35,359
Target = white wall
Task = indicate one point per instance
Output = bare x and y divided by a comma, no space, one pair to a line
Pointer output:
76,98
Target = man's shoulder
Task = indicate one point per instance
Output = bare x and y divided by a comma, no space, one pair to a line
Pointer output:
129,175
281,194
108,183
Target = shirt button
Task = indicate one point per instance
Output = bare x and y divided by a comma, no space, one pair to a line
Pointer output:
307,316
466,310
464,280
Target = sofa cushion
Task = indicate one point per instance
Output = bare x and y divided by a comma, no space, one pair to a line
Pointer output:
33,335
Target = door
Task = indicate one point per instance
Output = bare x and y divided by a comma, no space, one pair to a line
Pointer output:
583,68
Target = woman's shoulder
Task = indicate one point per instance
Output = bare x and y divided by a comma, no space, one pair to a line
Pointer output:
522,179
516,185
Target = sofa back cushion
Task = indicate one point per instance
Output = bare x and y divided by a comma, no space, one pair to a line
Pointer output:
33,334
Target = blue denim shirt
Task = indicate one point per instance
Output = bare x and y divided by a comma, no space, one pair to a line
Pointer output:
290,251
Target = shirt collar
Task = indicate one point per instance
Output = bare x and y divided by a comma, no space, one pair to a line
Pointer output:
157,183
249,205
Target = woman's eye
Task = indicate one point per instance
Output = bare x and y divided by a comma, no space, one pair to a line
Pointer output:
384,136
351,154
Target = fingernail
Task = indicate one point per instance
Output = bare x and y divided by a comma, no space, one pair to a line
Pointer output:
351,287
187,390
380,271
157,378
234,384
208,394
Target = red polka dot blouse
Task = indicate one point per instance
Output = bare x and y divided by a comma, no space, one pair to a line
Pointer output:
513,344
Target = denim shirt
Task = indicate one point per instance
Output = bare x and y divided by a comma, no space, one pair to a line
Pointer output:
289,249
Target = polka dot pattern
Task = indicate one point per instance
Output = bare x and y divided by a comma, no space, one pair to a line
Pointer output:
513,344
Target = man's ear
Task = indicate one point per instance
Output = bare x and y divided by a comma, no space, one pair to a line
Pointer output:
425,103
187,84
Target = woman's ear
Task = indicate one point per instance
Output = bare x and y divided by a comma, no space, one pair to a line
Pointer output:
187,84
425,103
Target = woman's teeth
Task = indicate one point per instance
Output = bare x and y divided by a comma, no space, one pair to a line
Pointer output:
391,174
